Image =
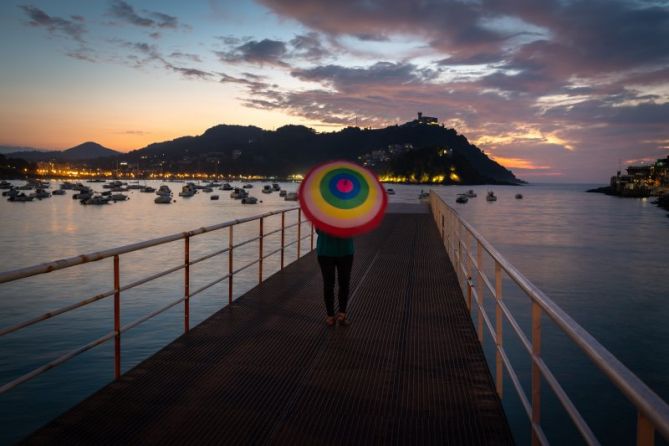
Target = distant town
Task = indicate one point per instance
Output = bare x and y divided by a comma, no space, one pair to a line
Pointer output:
420,151
644,180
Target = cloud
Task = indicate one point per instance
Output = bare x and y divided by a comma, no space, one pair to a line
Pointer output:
152,55
187,56
260,52
151,19
345,79
73,28
309,47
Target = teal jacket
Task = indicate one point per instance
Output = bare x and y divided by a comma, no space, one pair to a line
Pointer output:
330,246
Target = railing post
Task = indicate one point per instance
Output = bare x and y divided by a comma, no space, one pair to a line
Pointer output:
230,265
536,373
312,235
283,235
261,235
468,268
645,434
443,230
480,289
499,365
299,233
187,284
117,318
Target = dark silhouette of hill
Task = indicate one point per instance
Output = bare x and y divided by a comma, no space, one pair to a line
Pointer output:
86,151
410,150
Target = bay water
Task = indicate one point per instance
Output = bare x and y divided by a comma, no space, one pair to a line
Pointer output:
604,260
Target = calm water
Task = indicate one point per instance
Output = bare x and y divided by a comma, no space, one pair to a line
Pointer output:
602,259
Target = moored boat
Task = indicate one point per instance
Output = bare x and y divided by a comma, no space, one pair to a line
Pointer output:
164,190
462,198
491,196
249,200
163,199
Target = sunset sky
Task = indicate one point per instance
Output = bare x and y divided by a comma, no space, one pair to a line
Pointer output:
555,90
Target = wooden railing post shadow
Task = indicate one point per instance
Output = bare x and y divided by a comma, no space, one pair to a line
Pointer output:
499,341
230,264
186,284
117,318
536,372
260,250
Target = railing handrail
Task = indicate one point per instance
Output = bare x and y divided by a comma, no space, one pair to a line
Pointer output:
55,265
640,395
116,291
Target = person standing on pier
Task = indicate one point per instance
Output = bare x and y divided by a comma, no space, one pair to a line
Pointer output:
342,200
335,254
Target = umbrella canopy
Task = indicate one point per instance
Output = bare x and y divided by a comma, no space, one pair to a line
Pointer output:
342,198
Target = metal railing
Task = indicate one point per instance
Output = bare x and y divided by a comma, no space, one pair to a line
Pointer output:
115,253
458,237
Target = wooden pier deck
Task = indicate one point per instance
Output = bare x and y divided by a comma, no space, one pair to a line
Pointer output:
409,370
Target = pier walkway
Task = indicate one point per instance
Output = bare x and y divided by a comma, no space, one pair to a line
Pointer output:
267,370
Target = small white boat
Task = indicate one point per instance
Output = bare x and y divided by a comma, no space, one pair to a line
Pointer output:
164,191
20,197
118,197
470,194
291,196
238,194
58,192
207,189
267,189
40,194
163,199
188,190
248,186
491,196
282,193
249,200
226,186
83,195
96,200
147,190
276,187
462,198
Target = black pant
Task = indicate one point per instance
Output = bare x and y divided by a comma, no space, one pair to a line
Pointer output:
343,265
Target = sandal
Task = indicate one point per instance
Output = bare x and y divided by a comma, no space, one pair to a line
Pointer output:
342,320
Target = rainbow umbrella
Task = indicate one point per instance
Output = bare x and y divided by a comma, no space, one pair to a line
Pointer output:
342,198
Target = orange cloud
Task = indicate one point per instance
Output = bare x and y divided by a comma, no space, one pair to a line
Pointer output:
518,163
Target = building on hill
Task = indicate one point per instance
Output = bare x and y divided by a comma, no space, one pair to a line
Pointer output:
423,120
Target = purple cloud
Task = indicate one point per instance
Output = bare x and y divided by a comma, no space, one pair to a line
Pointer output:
73,28
151,19
260,52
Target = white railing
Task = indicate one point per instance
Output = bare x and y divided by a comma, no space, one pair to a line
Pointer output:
458,237
188,294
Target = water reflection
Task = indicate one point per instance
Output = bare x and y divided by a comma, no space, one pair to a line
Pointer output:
602,259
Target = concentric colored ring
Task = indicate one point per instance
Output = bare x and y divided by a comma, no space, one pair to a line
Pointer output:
342,198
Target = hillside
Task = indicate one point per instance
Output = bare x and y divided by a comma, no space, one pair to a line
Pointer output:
86,151
412,151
